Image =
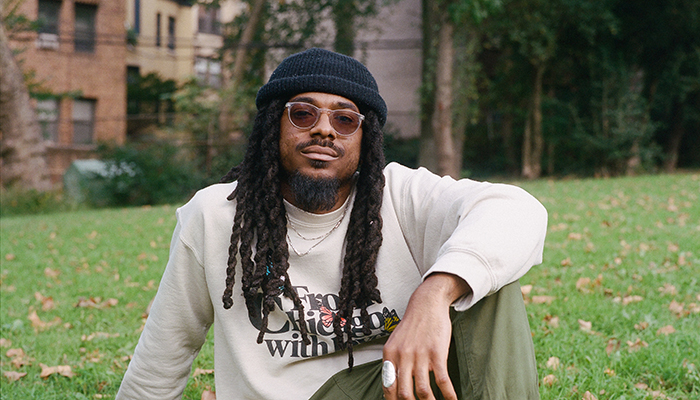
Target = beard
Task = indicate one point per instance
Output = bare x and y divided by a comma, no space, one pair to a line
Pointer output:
314,194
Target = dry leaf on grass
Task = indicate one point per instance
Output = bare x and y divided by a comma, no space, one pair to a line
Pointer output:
46,302
667,288
526,289
200,371
64,370
589,396
612,346
14,375
18,358
677,308
96,302
5,343
553,363
51,273
549,380
552,321
543,299
99,335
641,326
609,372
636,345
628,299
666,330
38,324
208,395
585,325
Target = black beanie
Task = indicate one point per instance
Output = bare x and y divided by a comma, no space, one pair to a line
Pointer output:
319,70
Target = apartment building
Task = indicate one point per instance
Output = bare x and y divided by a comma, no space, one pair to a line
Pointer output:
78,58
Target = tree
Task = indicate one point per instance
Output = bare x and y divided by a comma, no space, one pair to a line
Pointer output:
23,152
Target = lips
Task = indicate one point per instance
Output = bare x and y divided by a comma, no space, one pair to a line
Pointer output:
319,153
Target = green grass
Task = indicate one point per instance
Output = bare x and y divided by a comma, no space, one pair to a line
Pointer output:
628,236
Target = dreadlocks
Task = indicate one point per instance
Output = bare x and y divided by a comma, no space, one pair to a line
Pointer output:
260,222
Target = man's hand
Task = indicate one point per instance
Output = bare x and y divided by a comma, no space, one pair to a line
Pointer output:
421,341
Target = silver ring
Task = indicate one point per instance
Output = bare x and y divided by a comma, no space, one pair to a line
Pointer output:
388,374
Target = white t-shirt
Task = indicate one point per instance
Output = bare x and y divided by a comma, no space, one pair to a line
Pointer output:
488,234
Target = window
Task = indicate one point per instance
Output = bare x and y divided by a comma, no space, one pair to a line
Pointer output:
85,27
208,71
137,16
47,113
47,18
48,21
209,20
171,33
158,41
83,121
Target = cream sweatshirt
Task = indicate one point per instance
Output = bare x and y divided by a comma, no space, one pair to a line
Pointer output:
487,234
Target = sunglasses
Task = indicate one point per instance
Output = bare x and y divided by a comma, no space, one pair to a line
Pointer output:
305,116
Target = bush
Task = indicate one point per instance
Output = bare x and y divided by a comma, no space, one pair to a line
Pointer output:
145,173
18,202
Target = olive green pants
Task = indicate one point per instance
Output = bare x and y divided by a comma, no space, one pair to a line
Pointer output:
491,356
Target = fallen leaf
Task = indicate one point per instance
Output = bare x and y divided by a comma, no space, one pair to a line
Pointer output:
208,395
673,248
200,371
631,299
612,346
549,380
9,256
100,335
693,308
552,321
14,375
5,343
666,330
526,289
582,285
642,386
543,299
589,396
51,273
46,302
566,262
667,288
641,326
609,372
553,363
38,324
676,308
64,370
636,345
96,302
585,325
574,236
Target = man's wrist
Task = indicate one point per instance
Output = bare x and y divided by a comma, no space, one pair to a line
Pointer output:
446,286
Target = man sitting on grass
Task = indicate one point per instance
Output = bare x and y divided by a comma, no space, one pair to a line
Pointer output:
328,275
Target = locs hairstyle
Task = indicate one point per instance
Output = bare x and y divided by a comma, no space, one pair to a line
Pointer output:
260,222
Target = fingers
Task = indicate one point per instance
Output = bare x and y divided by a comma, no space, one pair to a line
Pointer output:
403,383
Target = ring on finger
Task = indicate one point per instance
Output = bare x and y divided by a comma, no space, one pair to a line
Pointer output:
388,374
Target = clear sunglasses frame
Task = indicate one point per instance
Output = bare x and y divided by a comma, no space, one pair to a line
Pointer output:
332,115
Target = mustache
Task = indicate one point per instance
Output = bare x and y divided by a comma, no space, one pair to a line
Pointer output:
323,143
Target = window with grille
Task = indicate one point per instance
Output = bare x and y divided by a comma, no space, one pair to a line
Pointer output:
83,121
85,27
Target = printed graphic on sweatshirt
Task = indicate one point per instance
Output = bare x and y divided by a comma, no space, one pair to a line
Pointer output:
283,337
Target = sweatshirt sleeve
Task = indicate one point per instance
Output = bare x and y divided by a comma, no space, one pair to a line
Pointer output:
488,234
176,328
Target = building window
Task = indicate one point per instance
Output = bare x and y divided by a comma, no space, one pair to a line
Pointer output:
85,27
48,21
137,16
83,121
158,41
47,113
209,20
47,18
171,33
208,71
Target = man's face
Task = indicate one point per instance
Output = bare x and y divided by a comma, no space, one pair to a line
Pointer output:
320,152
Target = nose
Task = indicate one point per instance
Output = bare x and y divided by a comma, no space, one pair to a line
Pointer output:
323,127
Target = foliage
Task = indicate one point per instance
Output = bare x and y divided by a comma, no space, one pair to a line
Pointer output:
145,174
614,308
147,93
19,202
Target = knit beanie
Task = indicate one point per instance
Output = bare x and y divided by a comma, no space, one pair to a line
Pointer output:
319,70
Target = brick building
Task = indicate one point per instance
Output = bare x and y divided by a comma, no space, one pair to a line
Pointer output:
79,60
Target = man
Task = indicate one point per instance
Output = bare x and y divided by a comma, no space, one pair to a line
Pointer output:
331,252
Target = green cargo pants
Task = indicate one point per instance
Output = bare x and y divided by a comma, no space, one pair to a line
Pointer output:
491,356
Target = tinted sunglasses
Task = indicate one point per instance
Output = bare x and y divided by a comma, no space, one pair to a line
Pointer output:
305,116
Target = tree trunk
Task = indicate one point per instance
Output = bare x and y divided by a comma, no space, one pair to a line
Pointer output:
442,118
675,137
343,17
227,123
427,156
508,147
533,142
22,153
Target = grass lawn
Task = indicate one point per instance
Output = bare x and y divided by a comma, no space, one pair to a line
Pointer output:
614,308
